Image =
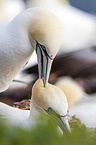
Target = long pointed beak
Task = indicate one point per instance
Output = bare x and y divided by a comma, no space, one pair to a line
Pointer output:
44,63
62,121
63,124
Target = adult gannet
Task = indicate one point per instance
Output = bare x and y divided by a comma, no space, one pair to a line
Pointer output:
80,27
35,28
43,99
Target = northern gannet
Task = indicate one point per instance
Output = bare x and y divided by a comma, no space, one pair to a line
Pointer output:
43,99
71,89
79,26
34,29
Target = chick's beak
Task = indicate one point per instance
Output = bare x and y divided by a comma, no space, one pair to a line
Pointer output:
62,121
44,63
63,124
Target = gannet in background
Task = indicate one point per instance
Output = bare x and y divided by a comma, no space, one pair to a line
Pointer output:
82,105
71,89
10,8
43,98
35,28
79,27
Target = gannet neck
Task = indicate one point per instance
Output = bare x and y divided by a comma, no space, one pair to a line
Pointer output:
15,51
34,112
50,96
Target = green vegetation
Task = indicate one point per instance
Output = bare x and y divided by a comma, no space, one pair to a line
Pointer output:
45,133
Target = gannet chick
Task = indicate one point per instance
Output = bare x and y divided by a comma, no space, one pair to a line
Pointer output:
34,29
50,97
71,89
46,99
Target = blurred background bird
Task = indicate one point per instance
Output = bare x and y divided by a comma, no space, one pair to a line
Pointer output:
10,8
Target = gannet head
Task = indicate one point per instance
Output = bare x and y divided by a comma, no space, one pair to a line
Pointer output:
46,38
45,32
51,97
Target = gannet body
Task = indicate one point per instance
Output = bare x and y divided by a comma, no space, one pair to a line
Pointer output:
35,28
80,27
42,99
15,115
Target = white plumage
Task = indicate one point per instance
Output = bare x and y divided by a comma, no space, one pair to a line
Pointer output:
35,28
15,115
79,27
42,98
10,8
